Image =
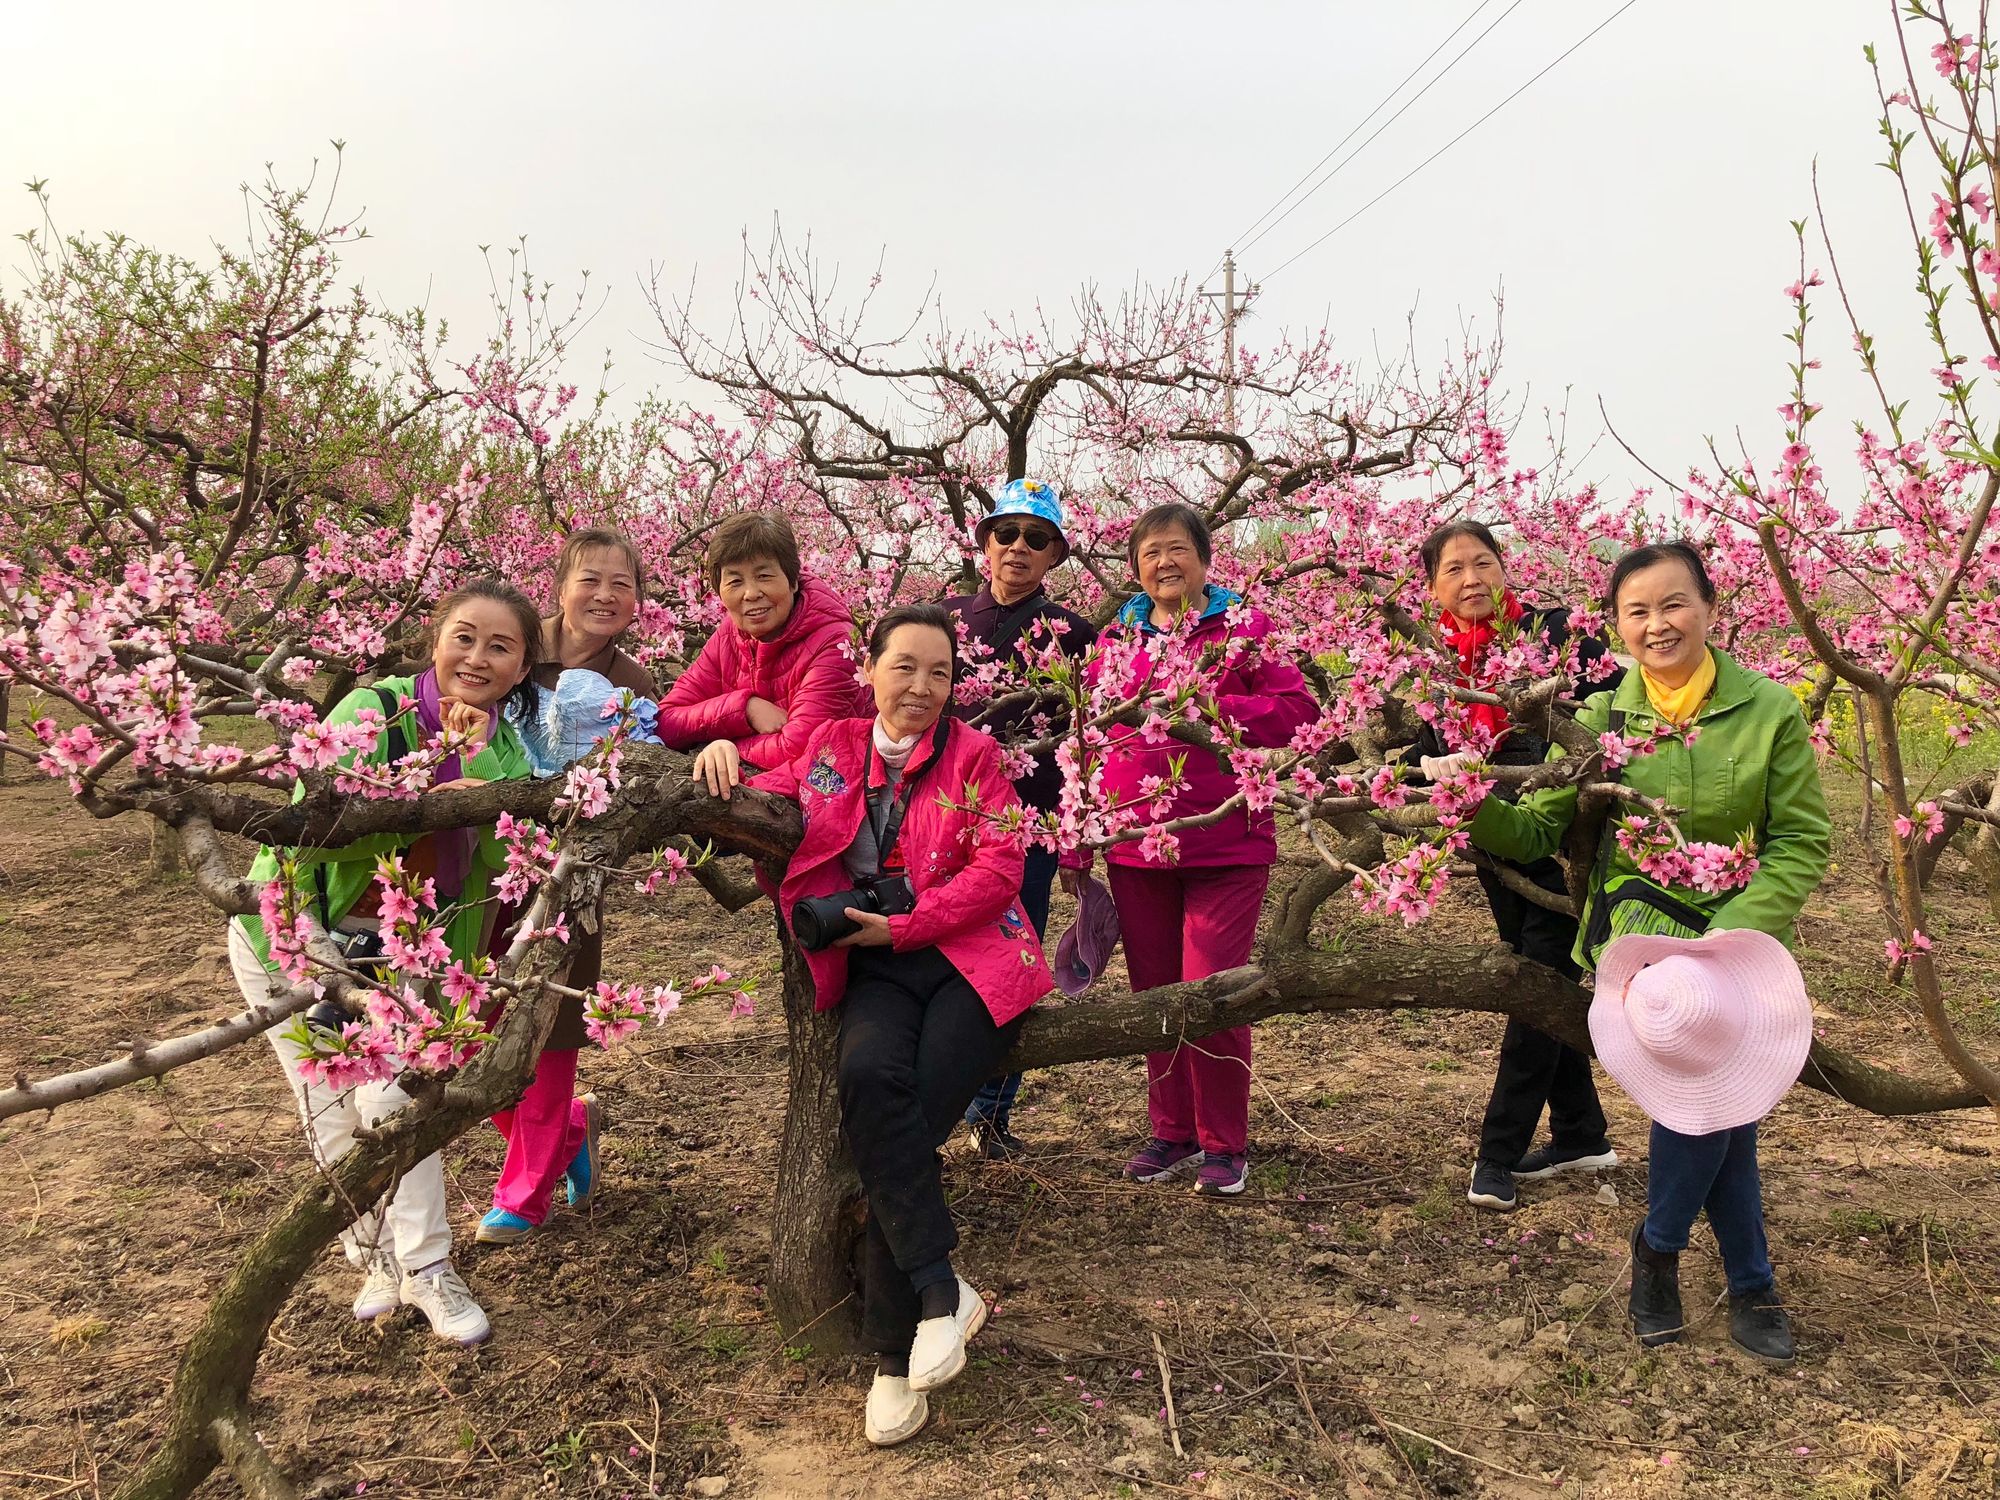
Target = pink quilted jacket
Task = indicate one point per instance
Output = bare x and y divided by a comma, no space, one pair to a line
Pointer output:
966,873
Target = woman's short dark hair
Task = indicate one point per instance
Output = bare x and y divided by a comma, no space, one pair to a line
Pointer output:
1659,552
523,695
1435,543
933,615
590,539
1165,517
749,536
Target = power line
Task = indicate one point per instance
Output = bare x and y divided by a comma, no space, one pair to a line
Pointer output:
1454,140
1239,239
1435,81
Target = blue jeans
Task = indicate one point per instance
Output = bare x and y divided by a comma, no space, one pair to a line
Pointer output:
995,1102
1718,1172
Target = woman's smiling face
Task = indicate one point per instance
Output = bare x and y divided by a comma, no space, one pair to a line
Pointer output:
911,679
757,595
1469,578
600,597
1664,621
1170,568
480,657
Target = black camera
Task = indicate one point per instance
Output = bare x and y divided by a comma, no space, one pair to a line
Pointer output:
821,921
363,951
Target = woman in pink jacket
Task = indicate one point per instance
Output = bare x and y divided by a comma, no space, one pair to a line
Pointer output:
1197,915
905,894
775,669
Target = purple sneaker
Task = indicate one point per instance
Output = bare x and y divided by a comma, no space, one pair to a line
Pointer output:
1160,1160
1222,1176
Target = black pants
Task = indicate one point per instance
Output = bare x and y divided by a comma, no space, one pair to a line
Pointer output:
916,1042
1535,1068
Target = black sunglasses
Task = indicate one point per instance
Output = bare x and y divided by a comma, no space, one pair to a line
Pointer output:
1007,533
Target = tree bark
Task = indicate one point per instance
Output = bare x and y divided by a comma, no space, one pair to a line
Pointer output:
817,1211
163,851
1983,853
247,1459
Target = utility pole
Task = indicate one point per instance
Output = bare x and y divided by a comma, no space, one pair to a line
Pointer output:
1231,310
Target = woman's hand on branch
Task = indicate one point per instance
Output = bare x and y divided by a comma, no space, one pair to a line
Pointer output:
464,720
719,767
873,930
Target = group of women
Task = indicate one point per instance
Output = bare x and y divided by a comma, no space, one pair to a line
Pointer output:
922,919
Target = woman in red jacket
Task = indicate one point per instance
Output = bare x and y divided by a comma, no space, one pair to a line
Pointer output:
774,670
1197,914
905,893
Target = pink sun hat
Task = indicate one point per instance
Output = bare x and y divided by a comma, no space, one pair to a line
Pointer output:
1086,947
1704,1033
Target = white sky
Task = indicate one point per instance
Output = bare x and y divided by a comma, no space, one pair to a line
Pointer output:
1634,202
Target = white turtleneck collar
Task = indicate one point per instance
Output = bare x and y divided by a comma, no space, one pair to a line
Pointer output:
895,753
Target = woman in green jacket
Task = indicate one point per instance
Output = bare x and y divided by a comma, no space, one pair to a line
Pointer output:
486,639
1749,768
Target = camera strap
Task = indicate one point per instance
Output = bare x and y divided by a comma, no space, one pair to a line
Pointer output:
885,811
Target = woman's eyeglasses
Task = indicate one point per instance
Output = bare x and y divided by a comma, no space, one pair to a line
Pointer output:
1007,533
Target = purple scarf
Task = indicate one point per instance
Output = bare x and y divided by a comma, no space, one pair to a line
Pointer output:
453,845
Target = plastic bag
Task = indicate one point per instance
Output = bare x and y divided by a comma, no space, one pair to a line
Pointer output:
580,710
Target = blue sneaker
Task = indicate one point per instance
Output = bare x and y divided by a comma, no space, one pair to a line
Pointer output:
502,1228
580,1181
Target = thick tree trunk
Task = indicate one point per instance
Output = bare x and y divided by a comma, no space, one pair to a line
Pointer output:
817,1212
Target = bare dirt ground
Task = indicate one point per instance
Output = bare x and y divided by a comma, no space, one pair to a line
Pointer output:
1350,1327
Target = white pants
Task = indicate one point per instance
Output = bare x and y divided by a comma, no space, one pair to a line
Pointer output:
414,1214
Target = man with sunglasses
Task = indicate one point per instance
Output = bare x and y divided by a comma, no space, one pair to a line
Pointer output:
1022,538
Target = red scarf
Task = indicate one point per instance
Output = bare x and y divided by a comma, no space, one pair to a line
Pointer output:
1470,641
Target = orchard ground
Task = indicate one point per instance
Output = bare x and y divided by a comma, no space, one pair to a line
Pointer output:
1338,1331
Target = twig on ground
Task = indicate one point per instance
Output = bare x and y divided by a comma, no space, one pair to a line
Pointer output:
1167,1390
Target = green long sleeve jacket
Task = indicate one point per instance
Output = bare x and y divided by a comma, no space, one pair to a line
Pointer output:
1750,767
350,867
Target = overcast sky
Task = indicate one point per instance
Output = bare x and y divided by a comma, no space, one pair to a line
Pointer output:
1633,203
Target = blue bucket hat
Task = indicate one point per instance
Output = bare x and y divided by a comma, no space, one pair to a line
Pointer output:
1025,497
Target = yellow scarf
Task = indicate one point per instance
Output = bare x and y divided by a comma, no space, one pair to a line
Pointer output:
1680,705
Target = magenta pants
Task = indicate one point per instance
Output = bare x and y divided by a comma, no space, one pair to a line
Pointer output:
1187,924
544,1132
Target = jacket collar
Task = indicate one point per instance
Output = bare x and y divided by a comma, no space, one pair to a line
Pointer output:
1139,607
987,599
921,760
1734,685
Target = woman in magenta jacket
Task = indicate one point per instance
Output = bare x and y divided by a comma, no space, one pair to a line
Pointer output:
775,669
905,894
1197,915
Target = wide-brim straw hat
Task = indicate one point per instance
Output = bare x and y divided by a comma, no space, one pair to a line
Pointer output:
1086,947
1704,1033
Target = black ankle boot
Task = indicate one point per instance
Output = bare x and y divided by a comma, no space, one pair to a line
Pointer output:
1656,1293
1758,1324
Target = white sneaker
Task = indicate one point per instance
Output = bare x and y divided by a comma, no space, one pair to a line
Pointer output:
937,1355
443,1297
382,1291
895,1413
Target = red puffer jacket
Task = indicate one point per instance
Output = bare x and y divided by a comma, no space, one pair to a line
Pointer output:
965,871
806,669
